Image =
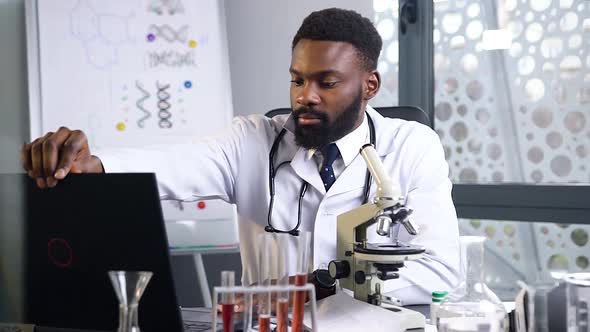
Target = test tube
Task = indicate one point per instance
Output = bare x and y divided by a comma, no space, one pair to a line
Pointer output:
303,247
247,314
283,280
264,280
227,301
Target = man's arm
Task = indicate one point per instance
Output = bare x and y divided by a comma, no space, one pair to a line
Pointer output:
201,168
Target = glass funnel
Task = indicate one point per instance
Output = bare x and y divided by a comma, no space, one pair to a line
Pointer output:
471,306
129,287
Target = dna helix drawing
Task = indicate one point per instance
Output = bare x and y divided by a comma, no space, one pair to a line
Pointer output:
168,33
171,59
140,104
172,6
163,106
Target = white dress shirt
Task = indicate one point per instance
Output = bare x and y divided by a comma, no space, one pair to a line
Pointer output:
233,166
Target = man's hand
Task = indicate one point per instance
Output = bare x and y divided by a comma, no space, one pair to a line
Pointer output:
50,158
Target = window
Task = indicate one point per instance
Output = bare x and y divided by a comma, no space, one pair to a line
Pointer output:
386,18
512,89
511,105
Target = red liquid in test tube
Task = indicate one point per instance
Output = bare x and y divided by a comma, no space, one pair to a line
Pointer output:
263,323
227,315
300,280
299,304
227,301
282,308
264,280
282,315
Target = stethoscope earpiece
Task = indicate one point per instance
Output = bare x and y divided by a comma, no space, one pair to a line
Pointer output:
269,229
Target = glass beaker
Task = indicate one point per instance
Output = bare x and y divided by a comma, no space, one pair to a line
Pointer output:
129,287
471,306
578,301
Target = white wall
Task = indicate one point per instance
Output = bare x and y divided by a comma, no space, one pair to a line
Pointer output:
259,38
13,84
13,132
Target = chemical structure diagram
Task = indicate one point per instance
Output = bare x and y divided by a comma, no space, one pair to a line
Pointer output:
101,34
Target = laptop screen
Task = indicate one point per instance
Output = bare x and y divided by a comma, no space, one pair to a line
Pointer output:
81,229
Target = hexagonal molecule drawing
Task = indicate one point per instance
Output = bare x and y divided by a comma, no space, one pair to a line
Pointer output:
100,33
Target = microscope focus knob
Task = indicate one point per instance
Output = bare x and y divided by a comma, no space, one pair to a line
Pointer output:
339,269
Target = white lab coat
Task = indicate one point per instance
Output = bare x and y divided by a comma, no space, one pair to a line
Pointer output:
234,167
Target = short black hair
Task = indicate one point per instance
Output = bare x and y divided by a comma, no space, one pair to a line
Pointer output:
335,24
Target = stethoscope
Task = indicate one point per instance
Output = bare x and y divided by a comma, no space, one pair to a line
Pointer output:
272,171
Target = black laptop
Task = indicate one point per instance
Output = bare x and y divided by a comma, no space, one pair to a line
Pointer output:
73,234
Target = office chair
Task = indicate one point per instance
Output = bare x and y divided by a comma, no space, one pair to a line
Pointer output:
410,113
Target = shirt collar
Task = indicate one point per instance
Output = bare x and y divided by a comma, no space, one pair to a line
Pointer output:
349,145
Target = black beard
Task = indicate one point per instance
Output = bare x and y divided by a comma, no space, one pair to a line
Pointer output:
321,134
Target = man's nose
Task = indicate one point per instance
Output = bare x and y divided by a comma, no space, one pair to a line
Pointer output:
308,95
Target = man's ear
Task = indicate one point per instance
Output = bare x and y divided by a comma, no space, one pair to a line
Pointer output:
372,84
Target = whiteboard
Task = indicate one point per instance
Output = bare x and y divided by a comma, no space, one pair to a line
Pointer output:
129,72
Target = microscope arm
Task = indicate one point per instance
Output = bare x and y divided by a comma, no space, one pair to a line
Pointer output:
385,186
361,218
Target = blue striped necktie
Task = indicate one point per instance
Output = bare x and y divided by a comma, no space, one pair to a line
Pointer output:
330,154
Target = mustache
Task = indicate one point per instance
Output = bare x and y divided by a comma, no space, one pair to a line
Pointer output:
309,111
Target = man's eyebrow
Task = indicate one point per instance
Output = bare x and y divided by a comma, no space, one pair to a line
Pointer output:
320,73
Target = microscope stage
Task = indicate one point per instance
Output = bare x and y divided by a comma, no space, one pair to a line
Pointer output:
388,249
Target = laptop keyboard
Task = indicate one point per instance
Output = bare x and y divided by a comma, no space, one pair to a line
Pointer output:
196,326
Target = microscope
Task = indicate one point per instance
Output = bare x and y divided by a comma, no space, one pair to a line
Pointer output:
363,267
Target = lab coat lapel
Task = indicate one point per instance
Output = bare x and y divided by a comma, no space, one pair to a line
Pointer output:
307,170
353,177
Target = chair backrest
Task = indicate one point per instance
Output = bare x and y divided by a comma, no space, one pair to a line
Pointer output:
277,111
410,113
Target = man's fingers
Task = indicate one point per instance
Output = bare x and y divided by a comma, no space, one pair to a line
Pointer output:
37,156
25,158
68,153
41,183
51,149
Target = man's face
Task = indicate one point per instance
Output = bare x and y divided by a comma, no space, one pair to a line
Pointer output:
327,91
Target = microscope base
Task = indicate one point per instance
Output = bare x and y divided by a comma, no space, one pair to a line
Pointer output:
409,319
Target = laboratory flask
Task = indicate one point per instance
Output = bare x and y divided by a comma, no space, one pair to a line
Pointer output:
471,305
129,287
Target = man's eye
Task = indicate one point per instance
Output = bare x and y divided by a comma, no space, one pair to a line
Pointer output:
297,82
329,84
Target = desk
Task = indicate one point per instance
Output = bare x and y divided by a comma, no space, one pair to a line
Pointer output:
197,251
203,236
425,310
